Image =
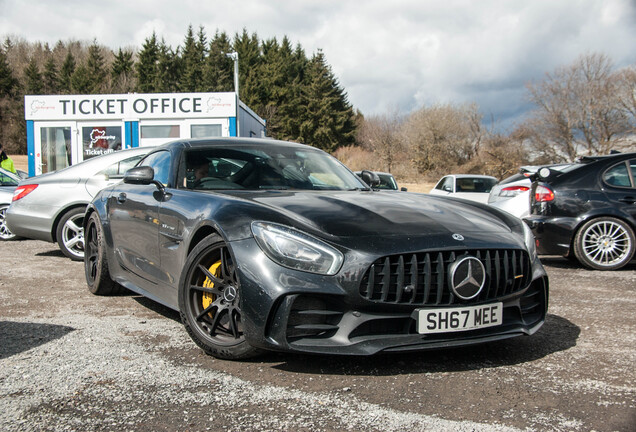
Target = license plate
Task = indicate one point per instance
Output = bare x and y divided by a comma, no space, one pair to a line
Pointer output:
459,319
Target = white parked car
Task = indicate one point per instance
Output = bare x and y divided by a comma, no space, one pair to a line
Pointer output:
467,186
8,183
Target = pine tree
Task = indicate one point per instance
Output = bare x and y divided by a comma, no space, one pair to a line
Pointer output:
168,70
95,69
33,78
146,66
193,61
66,73
218,75
51,80
8,83
122,72
328,121
250,85
81,80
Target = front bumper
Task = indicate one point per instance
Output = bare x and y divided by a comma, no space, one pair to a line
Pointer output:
287,310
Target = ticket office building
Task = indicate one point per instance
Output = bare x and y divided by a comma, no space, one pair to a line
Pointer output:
63,130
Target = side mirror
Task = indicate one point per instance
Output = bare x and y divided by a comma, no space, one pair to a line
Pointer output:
403,189
143,175
370,178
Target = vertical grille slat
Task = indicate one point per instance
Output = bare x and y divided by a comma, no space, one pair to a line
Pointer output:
440,278
414,277
386,278
421,278
400,279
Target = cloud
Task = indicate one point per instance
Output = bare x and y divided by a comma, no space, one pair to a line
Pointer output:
404,53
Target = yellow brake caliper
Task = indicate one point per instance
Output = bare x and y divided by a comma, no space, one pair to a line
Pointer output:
207,298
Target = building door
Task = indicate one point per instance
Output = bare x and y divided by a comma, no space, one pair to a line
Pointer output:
99,137
55,146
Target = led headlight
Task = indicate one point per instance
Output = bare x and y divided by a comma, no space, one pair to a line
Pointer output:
296,250
528,237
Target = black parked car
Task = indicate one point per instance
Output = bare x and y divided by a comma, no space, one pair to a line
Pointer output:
587,210
265,244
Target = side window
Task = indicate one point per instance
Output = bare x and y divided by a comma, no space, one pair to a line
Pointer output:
160,162
440,185
118,169
618,175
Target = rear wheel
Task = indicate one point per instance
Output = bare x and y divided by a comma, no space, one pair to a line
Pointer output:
209,301
95,261
604,244
70,234
5,233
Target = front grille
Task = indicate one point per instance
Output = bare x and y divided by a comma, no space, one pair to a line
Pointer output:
422,278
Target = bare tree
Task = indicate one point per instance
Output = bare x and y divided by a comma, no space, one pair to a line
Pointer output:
381,135
442,137
579,109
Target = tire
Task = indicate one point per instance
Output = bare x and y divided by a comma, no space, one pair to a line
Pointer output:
70,234
209,301
5,233
605,243
95,261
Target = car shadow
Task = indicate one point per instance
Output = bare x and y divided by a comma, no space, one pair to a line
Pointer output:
162,310
557,334
51,253
16,337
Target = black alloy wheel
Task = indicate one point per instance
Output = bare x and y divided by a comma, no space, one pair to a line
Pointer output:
95,261
209,301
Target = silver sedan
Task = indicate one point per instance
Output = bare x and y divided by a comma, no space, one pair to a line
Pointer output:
51,206
8,183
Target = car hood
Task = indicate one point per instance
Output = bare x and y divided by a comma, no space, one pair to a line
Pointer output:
385,215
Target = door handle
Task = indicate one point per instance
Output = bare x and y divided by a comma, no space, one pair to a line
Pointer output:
121,198
628,200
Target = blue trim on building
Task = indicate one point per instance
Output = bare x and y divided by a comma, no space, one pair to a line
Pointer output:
30,132
131,134
233,127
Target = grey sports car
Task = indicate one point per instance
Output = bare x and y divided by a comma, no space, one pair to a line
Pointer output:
8,183
262,244
51,206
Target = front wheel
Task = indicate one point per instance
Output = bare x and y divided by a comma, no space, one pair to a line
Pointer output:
5,233
70,234
604,244
95,261
209,301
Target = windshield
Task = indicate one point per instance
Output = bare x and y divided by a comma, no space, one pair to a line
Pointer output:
265,167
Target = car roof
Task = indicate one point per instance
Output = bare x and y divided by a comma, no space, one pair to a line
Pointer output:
480,176
92,165
9,174
234,142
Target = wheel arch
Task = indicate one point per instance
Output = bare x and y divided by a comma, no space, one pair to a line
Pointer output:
59,216
201,233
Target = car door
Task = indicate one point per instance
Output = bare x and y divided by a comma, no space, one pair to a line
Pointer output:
620,187
134,218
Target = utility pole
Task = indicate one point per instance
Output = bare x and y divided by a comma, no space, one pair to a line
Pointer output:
234,56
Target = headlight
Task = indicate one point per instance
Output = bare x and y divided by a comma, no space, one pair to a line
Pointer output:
528,237
296,250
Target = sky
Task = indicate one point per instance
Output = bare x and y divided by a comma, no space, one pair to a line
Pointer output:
389,55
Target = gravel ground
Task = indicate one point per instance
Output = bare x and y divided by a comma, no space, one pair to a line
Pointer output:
70,361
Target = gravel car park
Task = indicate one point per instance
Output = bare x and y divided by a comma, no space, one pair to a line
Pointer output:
72,361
